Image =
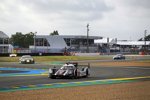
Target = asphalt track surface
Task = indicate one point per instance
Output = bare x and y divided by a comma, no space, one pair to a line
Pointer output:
96,73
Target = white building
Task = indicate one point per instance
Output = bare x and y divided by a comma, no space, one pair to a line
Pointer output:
108,45
60,43
5,47
122,42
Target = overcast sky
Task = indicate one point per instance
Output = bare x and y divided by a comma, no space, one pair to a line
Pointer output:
122,19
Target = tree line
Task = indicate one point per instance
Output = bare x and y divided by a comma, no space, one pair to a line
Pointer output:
147,38
20,40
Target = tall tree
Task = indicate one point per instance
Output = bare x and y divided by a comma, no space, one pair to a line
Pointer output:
17,39
147,38
28,39
54,33
22,40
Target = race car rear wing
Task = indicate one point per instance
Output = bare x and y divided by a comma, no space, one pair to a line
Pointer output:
88,65
77,65
74,63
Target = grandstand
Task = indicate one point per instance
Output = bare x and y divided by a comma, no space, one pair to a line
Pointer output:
60,43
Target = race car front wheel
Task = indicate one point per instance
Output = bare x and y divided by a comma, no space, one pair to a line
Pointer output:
87,73
75,74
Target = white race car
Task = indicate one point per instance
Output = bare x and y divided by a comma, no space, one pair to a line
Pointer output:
13,55
119,57
69,70
26,59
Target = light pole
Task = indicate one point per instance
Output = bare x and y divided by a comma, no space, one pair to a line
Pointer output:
87,38
35,42
145,31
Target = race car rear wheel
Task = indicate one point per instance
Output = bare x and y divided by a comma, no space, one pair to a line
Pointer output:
51,76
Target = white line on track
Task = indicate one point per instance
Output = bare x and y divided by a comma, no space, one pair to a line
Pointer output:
135,67
124,67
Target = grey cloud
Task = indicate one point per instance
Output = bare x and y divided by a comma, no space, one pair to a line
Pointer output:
9,11
90,9
71,16
138,3
68,5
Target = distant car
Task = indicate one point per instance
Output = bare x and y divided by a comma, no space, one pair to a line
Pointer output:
119,57
69,70
13,55
26,59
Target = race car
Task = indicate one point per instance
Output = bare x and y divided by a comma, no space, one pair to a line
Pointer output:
119,57
26,59
13,55
69,70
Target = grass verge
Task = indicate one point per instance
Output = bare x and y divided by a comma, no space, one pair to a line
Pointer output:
56,58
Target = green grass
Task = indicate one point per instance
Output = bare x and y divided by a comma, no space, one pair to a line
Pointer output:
68,58
145,61
9,59
55,58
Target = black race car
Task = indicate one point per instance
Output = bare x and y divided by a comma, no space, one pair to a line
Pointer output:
69,70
